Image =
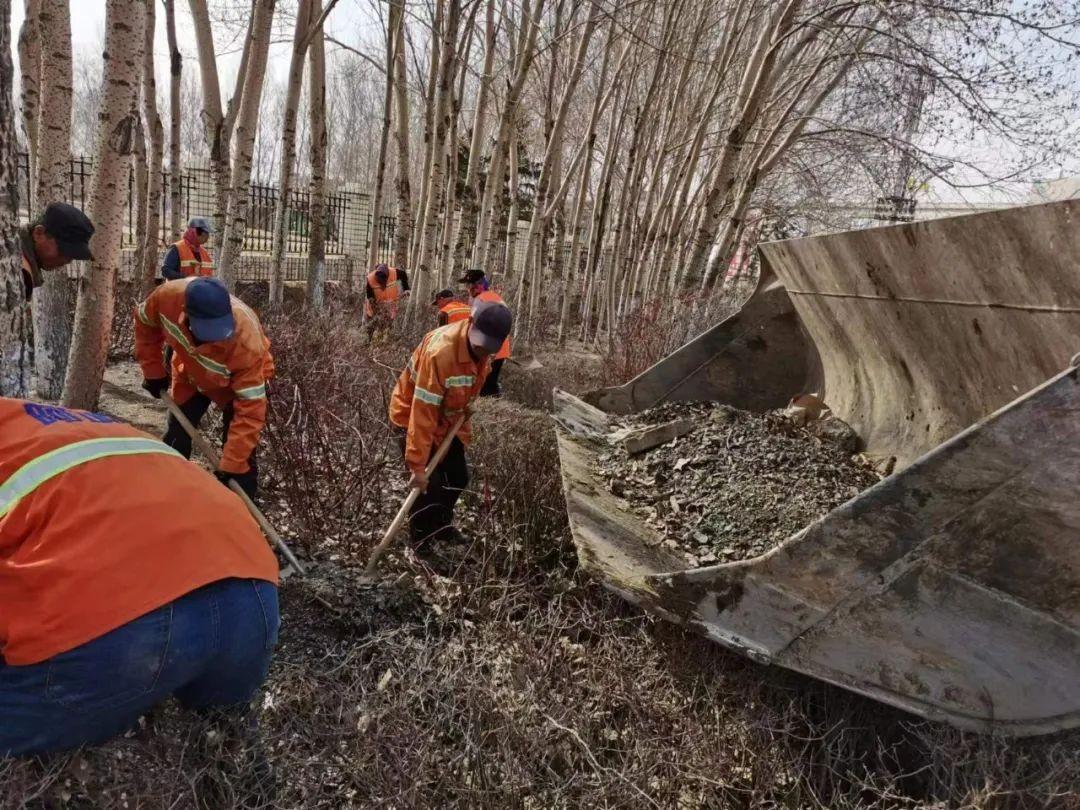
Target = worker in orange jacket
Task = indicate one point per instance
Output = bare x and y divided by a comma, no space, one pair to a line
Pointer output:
189,255
479,289
106,606
58,237
385,287
444,375
448,309
220,355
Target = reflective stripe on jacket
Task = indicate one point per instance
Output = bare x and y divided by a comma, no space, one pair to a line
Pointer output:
488,295
192,265
100,524
442,378
454,312
228,371
386,298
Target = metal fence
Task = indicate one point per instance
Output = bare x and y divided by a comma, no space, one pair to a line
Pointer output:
348,213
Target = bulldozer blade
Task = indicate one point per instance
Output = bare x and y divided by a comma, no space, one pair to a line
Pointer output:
950,589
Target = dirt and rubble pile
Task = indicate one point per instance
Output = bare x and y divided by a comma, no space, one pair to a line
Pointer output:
734,484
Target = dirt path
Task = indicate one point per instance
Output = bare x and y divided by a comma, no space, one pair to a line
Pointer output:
122,398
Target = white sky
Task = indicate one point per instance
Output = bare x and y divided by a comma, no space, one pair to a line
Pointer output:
346,21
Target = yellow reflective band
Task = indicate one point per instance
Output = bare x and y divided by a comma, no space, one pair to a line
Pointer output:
212,365
427,396
181,338
254,392
143,316
464,381
35,473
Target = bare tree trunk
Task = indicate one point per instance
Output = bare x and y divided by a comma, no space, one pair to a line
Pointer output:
510,260
139,193
375,234
526,53
151,216
294,84
29,79
14,346
430,116
218,132
176,65
53,301
444,92
403,226
752,92
246,128
317,109
540,217
123,57
471,193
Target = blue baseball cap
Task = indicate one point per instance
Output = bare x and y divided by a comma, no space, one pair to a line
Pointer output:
209,310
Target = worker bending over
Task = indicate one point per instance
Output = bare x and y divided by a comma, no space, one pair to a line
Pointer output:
445,374
385,287
448,309
189,256
220,355
56,238
479,289
126,575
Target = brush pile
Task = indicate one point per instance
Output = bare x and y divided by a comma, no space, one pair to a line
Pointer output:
734,484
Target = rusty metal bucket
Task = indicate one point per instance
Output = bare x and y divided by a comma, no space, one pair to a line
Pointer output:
952,588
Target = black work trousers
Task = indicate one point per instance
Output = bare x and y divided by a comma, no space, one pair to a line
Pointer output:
491,386
178,439
432,515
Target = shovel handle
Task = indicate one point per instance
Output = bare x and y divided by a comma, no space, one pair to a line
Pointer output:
403,513
214,458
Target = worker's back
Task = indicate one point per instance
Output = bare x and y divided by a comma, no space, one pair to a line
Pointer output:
100,523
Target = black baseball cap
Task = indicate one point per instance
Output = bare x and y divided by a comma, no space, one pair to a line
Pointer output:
209,310
472,276
491,324
71,229
441,294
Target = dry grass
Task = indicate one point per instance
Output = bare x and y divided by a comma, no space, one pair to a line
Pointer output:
518,682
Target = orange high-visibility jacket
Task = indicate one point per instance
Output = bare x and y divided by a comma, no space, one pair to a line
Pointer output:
91,536
440,381
454,312
385,297
192,265
228,371
488,295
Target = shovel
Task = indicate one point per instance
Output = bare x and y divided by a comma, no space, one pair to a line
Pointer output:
211,455
403,513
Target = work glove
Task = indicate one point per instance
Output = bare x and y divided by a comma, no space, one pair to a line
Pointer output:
246,480
156,387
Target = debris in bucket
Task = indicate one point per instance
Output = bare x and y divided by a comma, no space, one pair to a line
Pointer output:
738,484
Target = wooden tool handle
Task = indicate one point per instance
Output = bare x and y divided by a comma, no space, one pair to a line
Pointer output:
403,513
214,458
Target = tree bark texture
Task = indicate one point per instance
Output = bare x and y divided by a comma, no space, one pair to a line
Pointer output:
150,216
288,149
176,66
14,315
317,110
124,43
252,73
55,299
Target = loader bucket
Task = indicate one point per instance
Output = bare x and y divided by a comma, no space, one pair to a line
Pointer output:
951,589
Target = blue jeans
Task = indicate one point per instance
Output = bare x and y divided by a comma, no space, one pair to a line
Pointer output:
210,648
